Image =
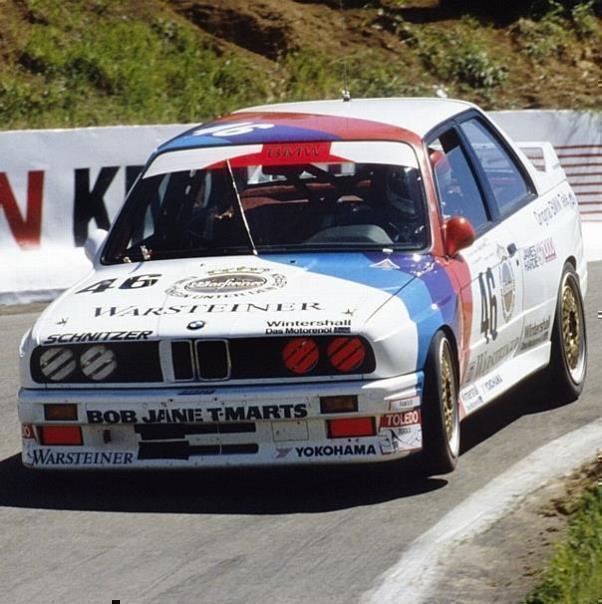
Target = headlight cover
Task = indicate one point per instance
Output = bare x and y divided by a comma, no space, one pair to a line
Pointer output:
58,363
98,362
118,362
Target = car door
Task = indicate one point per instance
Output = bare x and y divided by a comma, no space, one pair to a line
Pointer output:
513,193
495,277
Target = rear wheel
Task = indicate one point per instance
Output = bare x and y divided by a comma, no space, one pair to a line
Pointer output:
565,375
440,416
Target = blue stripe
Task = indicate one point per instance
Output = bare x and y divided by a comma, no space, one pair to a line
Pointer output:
429,297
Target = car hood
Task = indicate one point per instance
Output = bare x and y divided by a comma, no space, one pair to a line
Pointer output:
230,296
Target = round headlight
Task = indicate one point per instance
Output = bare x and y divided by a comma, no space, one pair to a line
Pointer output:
98,362
57,363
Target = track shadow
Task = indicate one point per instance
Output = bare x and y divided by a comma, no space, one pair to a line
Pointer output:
233,491
521,400
252,491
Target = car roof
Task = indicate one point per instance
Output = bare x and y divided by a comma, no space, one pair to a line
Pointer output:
358,119
416,114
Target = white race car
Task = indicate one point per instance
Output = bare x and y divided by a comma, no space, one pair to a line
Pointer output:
312,283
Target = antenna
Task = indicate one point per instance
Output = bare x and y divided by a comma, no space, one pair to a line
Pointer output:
345,93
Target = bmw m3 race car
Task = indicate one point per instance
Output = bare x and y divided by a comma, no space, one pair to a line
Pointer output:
312,283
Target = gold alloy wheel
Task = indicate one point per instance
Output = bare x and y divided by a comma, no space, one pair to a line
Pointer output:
572,328
448,393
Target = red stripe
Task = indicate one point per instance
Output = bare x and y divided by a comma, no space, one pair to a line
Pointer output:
353,361
578,146
580,165
564,156
300,356
346,354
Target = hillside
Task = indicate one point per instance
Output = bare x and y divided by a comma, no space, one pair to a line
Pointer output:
77,62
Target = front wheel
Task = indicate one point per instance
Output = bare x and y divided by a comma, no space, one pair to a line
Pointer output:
568,360
440,415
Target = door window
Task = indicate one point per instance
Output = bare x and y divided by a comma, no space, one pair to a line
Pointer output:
458,191
506,181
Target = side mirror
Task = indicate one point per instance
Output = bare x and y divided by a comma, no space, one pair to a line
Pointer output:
458,235
94,243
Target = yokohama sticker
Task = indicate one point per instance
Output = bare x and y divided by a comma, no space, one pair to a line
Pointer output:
228,283
335,450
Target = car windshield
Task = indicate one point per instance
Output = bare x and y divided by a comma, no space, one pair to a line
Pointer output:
271,198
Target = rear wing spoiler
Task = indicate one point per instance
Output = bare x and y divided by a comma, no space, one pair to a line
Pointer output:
542,156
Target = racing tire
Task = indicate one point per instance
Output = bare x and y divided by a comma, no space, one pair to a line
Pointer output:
565,375
440,410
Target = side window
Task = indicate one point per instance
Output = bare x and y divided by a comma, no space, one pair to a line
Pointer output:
508,185
458,191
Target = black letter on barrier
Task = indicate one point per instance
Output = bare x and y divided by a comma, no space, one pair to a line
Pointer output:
89,204
131,174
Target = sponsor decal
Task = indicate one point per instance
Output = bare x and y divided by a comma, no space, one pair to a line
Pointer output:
488,360
282,452
407,438
539,254
493,382
190,309
404,403
228,283
471,398
551,208
97,336
386,265
398,420
190,415
335,450
308,327
51,457
508,289
535,333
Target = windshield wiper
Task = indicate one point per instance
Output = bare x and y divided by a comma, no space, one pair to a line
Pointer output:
242,212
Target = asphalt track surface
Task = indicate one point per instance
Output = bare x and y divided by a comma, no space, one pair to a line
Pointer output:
304,535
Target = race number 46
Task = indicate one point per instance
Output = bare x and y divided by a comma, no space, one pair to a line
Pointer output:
488,305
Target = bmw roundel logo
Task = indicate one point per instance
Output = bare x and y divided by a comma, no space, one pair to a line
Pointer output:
193,325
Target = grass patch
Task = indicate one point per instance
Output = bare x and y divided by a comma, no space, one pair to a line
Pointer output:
96,62
574,575
78,66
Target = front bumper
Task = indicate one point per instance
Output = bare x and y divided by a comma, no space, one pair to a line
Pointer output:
224,426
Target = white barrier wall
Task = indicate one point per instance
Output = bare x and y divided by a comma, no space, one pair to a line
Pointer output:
577,138
57,185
